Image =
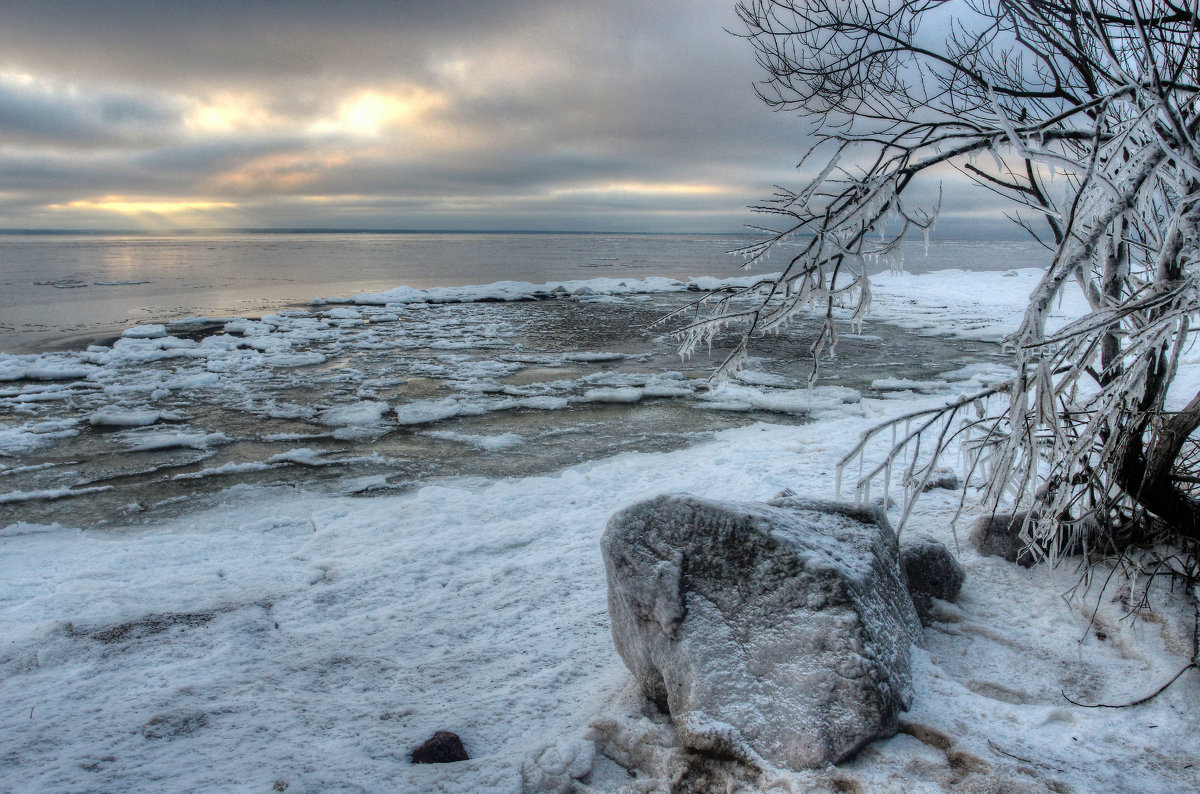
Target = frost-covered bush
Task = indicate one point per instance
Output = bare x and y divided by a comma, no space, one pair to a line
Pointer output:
1082,114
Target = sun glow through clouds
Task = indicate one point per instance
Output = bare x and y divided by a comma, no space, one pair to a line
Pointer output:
402,115
125,206
227,112
371,113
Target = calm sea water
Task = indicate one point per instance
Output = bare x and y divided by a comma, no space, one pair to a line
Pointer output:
63,291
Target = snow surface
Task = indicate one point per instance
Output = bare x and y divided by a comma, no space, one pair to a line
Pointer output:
965,304
278,638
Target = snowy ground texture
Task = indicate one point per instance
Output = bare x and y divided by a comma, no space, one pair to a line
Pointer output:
285,639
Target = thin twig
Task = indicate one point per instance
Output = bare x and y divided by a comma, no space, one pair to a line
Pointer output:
1133,703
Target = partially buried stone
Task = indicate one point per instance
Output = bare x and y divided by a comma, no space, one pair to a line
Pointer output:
930,567
443,747
173,724
941,478
999,535
778,632
932,572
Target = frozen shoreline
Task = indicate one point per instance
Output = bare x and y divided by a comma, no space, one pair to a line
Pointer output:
68,291
283,635
353,388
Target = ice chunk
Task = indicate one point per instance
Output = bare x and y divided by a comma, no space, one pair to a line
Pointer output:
231,467
360,413
148,331
22,438
49,494
11,369
123,417
801,401
423,411
246,327
543,403
342,314
50,369
896,384
303,456
627,394
150,441
756,378
287,410
594,356
489,443
195,380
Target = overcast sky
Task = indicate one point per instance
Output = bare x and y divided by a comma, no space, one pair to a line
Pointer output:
525,114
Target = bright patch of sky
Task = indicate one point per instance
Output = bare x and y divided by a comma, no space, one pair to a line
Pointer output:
621,116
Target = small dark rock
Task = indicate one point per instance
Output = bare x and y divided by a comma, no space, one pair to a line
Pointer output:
999,535
443,748
930,567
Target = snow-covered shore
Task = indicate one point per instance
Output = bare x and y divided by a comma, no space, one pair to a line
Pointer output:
285,638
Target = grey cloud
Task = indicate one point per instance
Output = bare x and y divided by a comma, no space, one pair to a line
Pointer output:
41,116
249,39
565,94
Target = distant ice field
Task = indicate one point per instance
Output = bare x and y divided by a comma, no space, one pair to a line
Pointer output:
64,291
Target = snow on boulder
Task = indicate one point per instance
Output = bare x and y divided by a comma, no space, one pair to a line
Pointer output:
777,631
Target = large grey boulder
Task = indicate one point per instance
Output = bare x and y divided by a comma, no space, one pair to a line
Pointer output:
776,631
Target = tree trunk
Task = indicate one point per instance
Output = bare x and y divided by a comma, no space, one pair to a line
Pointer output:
1146,468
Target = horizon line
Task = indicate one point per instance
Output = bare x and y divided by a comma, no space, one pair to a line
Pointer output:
365,230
